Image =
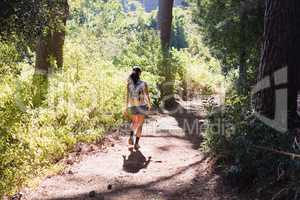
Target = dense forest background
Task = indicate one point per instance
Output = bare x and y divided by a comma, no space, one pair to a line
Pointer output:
64,66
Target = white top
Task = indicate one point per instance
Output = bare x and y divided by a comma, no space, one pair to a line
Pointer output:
136,93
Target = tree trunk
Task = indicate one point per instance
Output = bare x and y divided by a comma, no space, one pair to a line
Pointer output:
280,60
294,63
51,45
242,61
165,22
167,70
42,61
58,40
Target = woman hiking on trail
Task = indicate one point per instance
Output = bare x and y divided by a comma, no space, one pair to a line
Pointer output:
137,105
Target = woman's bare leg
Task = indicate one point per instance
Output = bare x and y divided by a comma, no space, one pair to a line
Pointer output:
134,123
133,127
141,119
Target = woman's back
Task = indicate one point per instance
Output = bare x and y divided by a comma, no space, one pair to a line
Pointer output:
136,93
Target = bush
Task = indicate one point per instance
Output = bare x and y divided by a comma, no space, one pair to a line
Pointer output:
81,103
235,136
196,76
9,57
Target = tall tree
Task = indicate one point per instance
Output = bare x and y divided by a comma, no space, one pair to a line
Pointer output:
165,21
49,48
165,16
281,51
243,51
50,43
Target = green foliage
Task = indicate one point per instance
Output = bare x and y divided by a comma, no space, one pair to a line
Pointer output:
97,15
179,33
230,27
233,30
9,57
81,104
197,76
28,19
39,89
189,66
143,50
234,135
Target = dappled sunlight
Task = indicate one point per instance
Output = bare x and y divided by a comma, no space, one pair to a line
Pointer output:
149,99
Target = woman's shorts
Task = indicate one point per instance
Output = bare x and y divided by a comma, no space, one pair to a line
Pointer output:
138,110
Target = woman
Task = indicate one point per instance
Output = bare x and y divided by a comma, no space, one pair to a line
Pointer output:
137,104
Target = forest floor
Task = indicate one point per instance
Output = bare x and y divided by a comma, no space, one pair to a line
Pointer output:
168,166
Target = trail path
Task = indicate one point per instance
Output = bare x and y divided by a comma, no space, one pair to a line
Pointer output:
168,166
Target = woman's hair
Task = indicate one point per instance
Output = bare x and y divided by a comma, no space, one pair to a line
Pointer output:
135,75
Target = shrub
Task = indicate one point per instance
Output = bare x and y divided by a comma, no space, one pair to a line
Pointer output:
235,136
81,103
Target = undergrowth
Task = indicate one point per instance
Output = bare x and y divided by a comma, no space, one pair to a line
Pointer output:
252,154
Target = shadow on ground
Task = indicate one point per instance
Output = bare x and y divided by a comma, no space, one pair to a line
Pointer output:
189,121
135,161
203,187
147,187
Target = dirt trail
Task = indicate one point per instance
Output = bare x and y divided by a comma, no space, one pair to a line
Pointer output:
167,167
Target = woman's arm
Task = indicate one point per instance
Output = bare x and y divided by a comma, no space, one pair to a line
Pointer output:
148,97
125,112
127,98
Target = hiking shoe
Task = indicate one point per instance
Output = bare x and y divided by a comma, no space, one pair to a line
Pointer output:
137,146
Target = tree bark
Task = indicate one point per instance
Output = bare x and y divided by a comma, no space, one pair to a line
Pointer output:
51,45
58,40
167,70
293,63
242,56
42,61
165,21
281,50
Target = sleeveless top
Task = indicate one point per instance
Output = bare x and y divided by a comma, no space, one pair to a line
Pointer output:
136,96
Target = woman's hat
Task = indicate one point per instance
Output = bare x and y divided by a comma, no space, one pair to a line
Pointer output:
136,69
